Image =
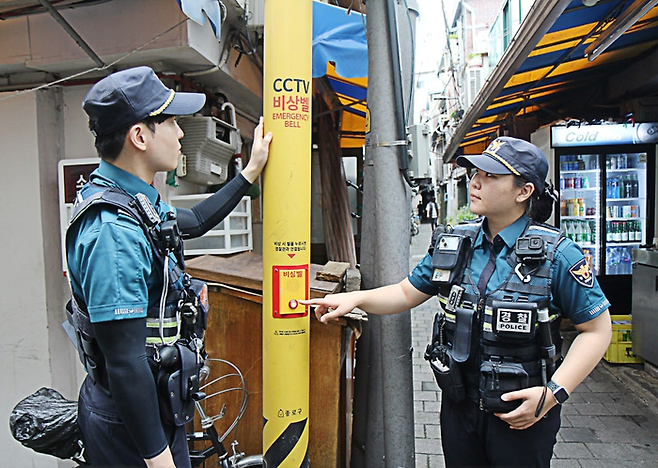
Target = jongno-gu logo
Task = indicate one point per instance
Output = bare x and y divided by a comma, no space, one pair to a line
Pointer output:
291,85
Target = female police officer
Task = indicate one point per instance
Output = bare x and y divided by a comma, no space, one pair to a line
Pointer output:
118,281
504,282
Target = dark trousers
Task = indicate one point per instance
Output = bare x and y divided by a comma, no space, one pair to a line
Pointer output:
474,438
106,440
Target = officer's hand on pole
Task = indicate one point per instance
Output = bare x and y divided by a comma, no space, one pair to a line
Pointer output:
259,153
524,416
332,306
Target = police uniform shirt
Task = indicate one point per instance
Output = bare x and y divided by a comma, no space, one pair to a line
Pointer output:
111,263
575,292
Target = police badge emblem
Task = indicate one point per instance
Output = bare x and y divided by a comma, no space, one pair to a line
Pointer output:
582,273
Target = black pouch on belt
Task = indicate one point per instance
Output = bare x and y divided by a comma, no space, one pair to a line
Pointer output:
446,371
497,378
448,374
178,383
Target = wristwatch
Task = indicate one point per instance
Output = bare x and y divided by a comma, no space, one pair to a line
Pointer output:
559,393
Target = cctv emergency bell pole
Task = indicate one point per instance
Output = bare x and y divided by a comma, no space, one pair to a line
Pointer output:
286,232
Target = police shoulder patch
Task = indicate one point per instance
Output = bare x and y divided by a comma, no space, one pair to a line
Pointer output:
582,273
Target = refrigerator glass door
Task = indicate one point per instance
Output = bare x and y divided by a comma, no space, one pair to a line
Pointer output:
625,209
580,199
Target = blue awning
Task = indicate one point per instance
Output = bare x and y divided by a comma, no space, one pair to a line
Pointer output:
340,38
556,79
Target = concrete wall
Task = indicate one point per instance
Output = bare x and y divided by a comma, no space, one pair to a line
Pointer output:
35,348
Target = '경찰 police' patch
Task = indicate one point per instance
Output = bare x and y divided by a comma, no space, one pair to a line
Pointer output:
582,272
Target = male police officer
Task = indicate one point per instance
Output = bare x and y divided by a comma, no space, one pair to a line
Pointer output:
125,261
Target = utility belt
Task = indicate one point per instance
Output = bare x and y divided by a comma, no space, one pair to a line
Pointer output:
500,369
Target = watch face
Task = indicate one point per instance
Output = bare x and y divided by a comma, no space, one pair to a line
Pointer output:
559,393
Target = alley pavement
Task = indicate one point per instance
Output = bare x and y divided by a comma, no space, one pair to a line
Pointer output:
610,421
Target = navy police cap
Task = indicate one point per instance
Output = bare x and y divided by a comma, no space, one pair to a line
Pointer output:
508,155
129,96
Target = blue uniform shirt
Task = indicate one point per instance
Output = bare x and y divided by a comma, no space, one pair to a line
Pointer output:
570,295
111,264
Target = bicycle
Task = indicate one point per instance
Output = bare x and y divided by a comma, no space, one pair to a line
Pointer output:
209,431
48,403
415,225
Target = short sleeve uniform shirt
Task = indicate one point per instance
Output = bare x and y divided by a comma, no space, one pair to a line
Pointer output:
575,293
110,260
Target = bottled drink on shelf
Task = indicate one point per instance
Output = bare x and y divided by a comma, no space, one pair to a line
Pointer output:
579,232
624,231
616,231
609,235
635,192
625,266
587,233
611,261
592,231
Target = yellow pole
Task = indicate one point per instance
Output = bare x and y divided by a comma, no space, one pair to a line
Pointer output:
286,232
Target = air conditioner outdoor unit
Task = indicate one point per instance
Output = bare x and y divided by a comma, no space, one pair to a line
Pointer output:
207,149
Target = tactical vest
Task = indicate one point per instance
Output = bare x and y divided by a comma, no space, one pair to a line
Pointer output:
177,322
495,340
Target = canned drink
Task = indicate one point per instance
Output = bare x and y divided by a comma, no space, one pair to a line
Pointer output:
626,211
634,211
578,183
585,182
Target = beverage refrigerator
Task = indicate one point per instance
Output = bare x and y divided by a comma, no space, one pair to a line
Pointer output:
607,206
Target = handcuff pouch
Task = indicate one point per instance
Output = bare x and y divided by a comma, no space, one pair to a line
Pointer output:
514,320
449,258
446,371
448,375
498,378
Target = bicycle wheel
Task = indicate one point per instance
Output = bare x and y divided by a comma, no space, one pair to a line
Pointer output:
250,461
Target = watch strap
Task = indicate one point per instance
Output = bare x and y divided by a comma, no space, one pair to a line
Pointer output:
559,393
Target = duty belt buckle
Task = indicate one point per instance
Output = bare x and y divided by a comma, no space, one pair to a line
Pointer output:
454,298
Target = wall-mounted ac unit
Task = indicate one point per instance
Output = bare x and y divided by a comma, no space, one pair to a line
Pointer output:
207,149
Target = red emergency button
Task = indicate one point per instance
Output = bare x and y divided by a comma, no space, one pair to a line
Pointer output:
293,304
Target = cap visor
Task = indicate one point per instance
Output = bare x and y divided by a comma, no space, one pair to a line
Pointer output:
484,163
185,104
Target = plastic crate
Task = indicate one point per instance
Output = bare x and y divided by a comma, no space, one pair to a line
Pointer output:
620,350
232,235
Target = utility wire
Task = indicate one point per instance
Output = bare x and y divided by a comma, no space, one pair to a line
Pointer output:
452,63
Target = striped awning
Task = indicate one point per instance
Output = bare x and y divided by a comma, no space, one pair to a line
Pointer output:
555,80
352,93
340,55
